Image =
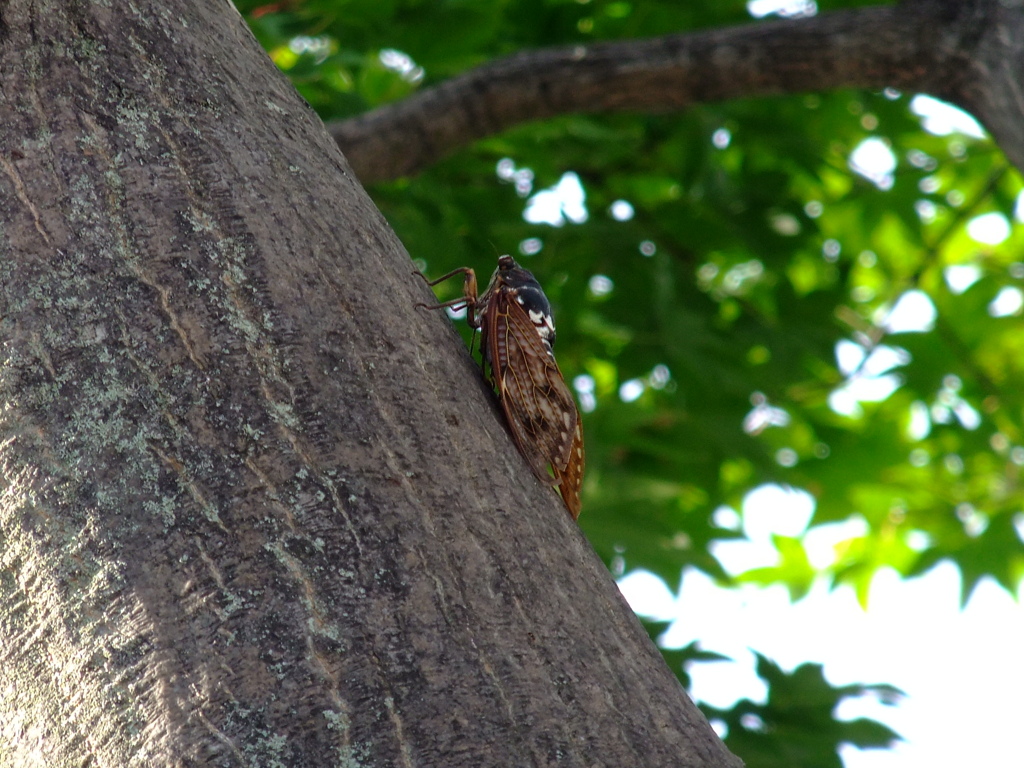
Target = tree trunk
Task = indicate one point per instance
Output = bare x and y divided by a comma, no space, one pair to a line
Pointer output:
257,508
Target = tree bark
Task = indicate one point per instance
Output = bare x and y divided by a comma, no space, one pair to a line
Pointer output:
257,509
968,52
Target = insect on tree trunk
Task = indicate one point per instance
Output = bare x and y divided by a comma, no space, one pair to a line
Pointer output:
517,339
256,508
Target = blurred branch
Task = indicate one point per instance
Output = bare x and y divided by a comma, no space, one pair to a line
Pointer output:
959,218
874,333
970,53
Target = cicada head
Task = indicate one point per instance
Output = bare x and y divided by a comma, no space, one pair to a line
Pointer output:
522,287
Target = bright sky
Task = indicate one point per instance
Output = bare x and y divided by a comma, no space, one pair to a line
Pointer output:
963,672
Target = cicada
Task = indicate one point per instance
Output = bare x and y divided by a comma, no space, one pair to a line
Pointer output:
517,338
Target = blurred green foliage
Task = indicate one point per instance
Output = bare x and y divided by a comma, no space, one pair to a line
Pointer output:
795,727
727,254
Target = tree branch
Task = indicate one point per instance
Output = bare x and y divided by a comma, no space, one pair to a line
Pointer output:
968,53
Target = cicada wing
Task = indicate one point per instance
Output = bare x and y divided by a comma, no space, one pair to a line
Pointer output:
570,479
540,409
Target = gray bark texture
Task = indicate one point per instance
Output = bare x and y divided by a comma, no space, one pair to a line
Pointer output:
968,52
256,508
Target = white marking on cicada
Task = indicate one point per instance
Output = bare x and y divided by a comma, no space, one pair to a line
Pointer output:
544,322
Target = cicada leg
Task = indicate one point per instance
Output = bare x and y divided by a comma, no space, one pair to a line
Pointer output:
468,300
